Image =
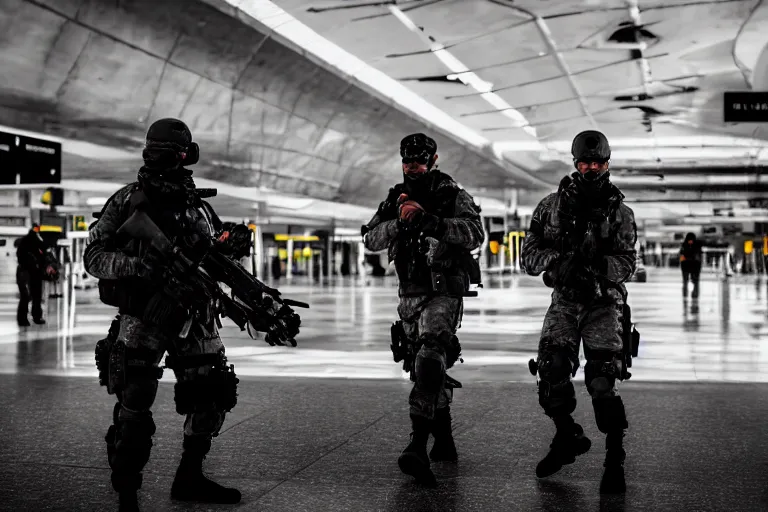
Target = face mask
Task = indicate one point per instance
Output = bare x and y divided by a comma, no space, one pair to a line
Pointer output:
414,170
592,176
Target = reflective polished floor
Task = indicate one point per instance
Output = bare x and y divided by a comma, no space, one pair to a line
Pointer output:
345,333
319,427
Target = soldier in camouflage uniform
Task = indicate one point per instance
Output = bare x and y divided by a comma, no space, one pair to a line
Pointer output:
583,238
154,318
429,224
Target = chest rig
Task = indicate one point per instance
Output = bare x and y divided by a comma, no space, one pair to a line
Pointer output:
424,265
589,223
131,294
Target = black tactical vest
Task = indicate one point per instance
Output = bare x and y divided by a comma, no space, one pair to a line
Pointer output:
132,294
455,263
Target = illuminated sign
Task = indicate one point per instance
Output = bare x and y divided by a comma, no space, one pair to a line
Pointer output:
297,238
78,223
11,221
745,107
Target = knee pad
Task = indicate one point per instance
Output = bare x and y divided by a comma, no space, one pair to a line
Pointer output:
132,443
430,374
610,415
555,367
216,390
556,393
601,372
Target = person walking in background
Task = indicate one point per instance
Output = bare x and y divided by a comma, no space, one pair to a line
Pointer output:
690,263
31,253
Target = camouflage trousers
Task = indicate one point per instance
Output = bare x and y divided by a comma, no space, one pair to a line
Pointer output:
427,320
566,324
135,334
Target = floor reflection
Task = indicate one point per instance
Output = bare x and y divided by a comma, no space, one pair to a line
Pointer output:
346,332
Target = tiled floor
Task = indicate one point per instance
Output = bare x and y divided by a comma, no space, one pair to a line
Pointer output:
319,427
345,333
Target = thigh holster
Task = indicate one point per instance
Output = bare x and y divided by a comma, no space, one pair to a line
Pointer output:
116,362
402,348
103,353
217,389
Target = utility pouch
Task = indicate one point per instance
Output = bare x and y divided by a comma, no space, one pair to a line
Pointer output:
439,283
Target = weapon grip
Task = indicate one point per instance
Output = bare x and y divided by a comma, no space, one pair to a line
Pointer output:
140,225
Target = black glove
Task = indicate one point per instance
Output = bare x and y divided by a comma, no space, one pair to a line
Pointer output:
235,240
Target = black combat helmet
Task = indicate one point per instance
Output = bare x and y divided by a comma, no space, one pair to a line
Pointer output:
169,144
590,146
418,148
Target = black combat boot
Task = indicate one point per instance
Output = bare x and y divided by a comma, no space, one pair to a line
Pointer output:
129,502
444,449
613,475
127,485
569,441
190,484
414,461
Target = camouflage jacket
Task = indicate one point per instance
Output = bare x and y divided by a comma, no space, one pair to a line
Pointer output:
547,241
462,227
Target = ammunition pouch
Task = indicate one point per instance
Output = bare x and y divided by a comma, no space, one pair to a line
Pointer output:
127,362
451,285
216,390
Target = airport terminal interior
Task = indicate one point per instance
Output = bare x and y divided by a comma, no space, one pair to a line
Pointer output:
307,126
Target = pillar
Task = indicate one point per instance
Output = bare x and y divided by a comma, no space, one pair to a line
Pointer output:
360,258
289,262
258,252
329,250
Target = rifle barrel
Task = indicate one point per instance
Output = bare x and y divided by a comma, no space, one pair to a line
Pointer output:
295,303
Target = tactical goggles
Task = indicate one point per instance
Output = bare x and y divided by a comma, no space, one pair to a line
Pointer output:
415,154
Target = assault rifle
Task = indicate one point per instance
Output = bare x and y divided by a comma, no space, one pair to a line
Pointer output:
253,305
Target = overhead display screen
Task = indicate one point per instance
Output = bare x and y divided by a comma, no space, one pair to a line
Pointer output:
28,160
745,107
